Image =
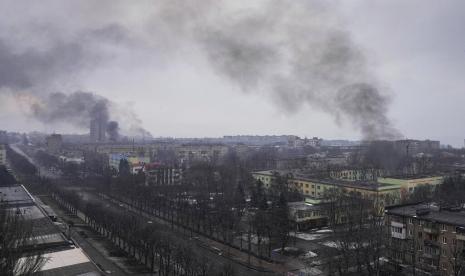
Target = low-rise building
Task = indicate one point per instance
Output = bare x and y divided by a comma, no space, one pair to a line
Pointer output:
306,216
136,163
390,190
408,184
54,143
426,238
157,174
314,189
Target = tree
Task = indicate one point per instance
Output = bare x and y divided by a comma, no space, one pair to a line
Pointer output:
15,236
6,179
281,222
124,168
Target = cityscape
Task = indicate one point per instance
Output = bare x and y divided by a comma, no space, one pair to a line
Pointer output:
231,138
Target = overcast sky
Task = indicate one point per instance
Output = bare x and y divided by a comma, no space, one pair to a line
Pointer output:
155,60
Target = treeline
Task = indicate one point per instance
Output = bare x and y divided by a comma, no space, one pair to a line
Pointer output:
19,162
211,201
153,245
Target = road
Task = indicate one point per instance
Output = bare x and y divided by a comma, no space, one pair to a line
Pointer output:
87,242
200,245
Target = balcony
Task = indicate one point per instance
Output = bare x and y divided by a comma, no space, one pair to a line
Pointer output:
431,229
431,243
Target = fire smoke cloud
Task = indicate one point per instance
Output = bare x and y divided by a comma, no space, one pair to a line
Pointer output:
296,53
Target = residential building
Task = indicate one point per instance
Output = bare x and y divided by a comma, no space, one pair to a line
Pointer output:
314,189
408,184
136,163
54,143
356,174
413,147
157,174
200,152
98,128
305,216
426,238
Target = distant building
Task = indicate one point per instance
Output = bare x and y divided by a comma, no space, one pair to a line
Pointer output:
162,175
2,155
313,190
390,190
356,174
3,137
98,129
426,238
136,163
198,152
414,147
408,184
305,216
54,143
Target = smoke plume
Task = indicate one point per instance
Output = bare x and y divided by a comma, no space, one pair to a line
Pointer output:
295,53
113,131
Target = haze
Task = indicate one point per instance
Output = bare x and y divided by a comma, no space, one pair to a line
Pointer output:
166,66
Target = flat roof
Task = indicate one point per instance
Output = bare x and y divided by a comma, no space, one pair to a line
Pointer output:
72,261
432,213
14,196
411,177
373,185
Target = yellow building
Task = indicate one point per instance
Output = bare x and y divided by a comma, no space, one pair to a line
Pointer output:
409,184
314,189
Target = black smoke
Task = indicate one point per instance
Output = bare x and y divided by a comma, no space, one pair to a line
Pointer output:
113,131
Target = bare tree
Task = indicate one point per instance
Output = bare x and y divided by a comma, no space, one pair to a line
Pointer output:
15,240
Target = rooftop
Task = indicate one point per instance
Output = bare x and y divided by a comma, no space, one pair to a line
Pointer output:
13,196
429,212
366,185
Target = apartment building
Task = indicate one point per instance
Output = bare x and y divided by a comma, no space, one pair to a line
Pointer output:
314,189
426,239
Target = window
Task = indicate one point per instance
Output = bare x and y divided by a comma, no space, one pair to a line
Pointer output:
410,220
420,234
443,227
410,232
318,187
444,240
313,186
306,185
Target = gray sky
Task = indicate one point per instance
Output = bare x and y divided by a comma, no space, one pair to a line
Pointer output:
168,65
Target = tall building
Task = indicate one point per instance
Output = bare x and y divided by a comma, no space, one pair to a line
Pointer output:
98,127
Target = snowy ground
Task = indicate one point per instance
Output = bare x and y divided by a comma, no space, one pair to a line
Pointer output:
308,236
309,255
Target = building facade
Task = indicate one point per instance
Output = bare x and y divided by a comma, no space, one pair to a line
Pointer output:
162,175
54,143
426,239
